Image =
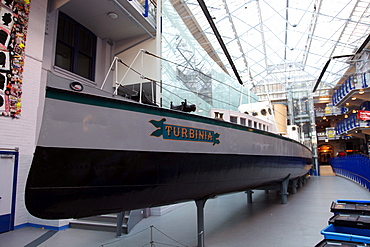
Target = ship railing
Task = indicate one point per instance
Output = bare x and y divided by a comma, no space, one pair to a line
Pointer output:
120,82
355,167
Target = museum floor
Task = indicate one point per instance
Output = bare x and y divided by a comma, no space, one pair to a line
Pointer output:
229,221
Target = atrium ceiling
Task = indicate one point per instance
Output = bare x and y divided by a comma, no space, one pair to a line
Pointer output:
285,41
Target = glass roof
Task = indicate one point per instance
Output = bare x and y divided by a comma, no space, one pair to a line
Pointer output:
286,41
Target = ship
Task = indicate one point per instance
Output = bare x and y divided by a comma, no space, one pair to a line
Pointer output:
99,154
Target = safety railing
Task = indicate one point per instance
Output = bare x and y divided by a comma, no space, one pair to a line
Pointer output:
354,167
350,123
353,82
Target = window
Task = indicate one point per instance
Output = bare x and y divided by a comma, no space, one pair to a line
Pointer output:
243,121
233,119
249,123
76,47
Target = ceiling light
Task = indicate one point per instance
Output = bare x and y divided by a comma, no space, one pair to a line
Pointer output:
354,98
361,92
112,15
347,103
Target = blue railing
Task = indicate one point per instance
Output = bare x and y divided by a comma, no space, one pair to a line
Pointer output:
359,81
355,167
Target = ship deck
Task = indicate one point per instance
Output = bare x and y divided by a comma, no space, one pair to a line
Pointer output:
229,221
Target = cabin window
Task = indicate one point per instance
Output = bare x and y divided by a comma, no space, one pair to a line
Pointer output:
255,125
76,47
243,121
233,119
249,123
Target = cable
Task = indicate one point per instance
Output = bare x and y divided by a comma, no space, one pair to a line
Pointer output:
124,238
188,90
184,66
168,236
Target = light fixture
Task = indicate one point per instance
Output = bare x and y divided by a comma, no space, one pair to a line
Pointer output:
354,111
326,140
346,116
361,92
354,98
347,104
324,118
112,15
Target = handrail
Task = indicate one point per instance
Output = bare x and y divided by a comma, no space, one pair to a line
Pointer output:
129,67
355,167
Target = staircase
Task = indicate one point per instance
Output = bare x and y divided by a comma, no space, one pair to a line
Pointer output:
107,222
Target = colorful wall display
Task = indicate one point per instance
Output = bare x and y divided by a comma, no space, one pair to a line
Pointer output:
13,29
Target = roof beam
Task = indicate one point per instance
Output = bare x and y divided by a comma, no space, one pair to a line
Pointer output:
219,38
197,32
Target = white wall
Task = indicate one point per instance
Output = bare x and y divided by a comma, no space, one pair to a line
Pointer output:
21,132
143,63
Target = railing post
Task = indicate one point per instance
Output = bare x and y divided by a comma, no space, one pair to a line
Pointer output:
146,8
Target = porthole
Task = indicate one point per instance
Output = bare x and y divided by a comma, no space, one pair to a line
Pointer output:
263,112
76,86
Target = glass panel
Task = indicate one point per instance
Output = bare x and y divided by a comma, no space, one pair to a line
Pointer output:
63,57
66,30
85,42
192,74
84,66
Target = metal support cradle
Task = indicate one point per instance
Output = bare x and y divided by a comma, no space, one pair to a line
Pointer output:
120,217
249,196
200,221
294,185
284,190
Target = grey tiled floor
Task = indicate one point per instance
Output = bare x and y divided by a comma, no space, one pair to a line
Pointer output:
229,221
